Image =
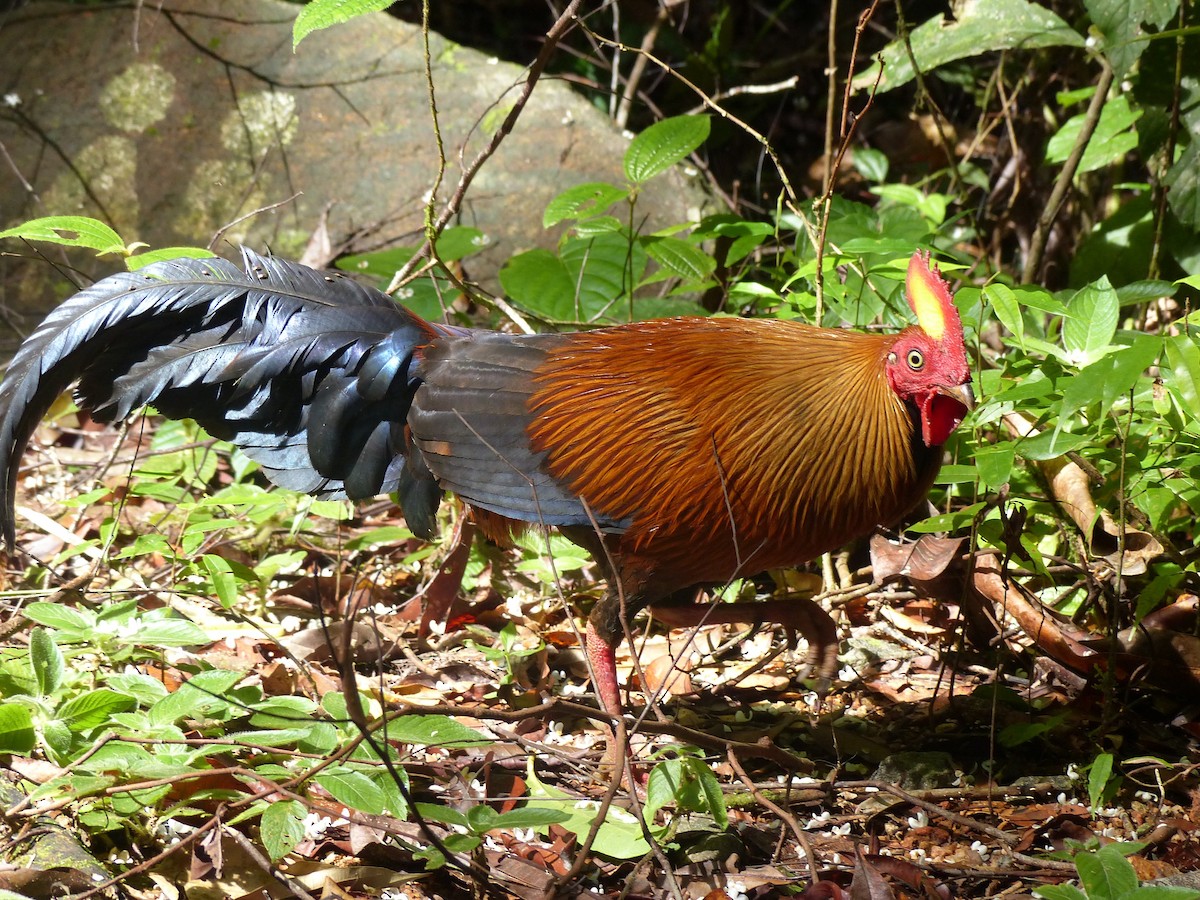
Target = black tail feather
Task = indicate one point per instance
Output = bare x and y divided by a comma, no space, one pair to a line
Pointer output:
310,373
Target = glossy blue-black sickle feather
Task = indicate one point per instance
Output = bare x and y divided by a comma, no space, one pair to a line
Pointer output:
329,385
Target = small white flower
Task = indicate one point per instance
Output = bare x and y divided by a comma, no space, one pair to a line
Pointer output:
819,820
916,853
1073,771
12,99
920,820
982,849
525,835
290,624
840,830
735,890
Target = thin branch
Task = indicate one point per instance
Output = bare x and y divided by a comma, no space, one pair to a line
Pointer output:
1041,233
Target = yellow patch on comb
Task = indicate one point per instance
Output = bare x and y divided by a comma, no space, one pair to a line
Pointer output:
928,296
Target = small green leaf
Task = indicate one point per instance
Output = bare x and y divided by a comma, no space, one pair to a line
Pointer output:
1007,309
45,661
282,827
93,709
223,581
70,231
1091,321
1099,775
683,259
662,145
1059,892
318,14
530,817
582,201
16,729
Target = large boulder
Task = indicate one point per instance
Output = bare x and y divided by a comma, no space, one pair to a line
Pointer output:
194,119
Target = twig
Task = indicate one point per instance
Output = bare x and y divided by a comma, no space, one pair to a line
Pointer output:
1041,233
556,33
784,814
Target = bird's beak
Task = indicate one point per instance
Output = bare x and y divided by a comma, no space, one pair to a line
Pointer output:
960,393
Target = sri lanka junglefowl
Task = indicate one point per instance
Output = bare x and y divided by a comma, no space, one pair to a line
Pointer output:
680,452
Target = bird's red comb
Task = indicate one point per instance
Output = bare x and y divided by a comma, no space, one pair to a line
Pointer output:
930,298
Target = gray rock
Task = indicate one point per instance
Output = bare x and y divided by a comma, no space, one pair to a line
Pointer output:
171,124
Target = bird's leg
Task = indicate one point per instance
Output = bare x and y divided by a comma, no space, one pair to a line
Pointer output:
604,632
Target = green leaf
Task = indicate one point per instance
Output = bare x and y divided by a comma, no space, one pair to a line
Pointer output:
1059,892
1183,183
1106,874
1007,309
1120,22
995,463
223,581
981,27
45,661
318,14
16,729
530,817
582,201
433,731
1183,376
662,145
202,693
353,789
1113,138
64,618
93,709
70,231
282,827
169,633
685,260
1099,775
145,258
444,814
619,836
1091,321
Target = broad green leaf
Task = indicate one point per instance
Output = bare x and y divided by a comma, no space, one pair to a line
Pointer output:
682,258
93,709
378,537
662,145
1183,376
282,827
1091,322
1113,138
1120,22
318,14
353,789
620,835
983,26
1099,775
70,231
170,633
446,815
582,201
995,463
433,731
1106,874
16,728
459,242
55,615
202,693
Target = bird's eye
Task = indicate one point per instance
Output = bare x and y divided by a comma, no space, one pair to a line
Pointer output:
916,359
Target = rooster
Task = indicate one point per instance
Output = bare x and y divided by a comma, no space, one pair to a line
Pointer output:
679,452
